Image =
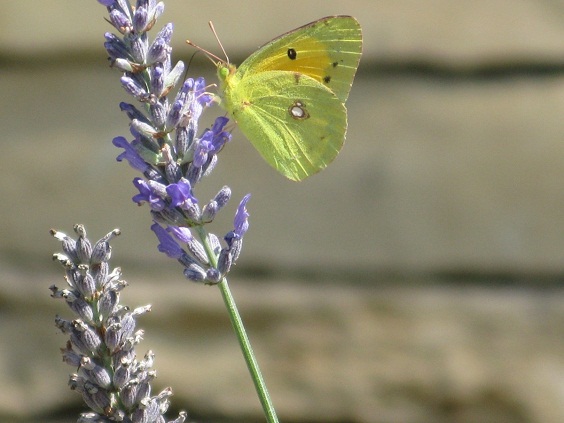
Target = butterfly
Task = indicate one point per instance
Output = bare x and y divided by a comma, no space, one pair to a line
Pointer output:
288,96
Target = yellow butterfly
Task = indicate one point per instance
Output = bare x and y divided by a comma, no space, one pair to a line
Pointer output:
288,97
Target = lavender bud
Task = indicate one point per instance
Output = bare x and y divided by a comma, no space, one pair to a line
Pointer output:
107,303
87,398
160,48
112,336
213,276
214,206
144,388
134,89
127,326
100,274
115,47
70,357
129,393
174,114
114,283
120,21
138,48
68,245
158,188
183,141
83,246
102,251
82,309
158,114
209,211
193,212
144,129
86,285
173,77
224,262
121,376
223,196
155,13
172,169
194,174
99,397
157,79
235,249
195,273
158,51
140,18
78,344
197,250
168,217
87,340
63,260
97,374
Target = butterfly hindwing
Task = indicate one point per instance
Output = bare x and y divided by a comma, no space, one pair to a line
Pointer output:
301,123
327,50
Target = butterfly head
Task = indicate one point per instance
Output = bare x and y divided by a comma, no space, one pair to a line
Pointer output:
225,71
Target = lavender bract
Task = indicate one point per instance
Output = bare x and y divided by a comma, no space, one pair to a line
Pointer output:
165,147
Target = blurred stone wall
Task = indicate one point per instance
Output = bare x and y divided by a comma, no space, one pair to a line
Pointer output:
372,289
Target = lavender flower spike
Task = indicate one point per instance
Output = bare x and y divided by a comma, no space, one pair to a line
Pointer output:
113,381
166,148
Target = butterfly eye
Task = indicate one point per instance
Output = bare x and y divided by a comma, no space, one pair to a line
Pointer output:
292,54
298,110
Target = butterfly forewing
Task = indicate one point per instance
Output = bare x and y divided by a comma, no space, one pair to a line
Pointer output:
327,50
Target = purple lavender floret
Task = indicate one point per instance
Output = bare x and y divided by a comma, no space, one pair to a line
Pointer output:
167,147
113,381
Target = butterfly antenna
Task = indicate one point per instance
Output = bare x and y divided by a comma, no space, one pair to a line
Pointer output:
208,54
210,23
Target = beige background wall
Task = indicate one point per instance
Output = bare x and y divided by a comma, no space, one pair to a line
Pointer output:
453,165
439,170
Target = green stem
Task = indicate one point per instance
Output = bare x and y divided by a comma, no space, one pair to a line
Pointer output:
247,350
242,337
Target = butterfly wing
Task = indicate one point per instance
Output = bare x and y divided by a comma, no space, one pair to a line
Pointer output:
295,122
328,50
